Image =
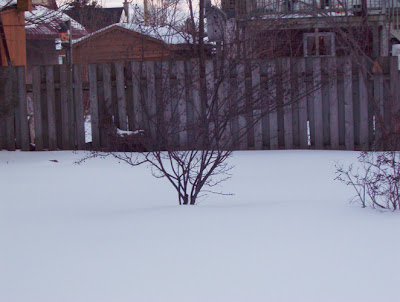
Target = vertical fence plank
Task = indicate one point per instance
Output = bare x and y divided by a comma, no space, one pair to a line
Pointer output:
57,96
395,104
17,115
120,79
190,109
105,119
181,104
22,108
128,96
151,98
241,101
167,115
70,106
94,109
51,108
198,111
174,127
325,101
3,140
318,113
223,104
108,107
257,113
79,108
64,107
287,107
295,101
37,108
3,136
272,96
136,96
333,103
43,100
301,82
378,103
348,104
363,105
211,110
10,102
340,98
356,103
233,106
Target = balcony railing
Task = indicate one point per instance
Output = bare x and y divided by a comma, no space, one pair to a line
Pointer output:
332,6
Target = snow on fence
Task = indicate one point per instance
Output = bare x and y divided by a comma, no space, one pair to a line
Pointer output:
334,108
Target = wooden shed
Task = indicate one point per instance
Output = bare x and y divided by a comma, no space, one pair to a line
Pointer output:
130,42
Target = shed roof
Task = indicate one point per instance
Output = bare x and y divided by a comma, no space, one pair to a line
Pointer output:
166,34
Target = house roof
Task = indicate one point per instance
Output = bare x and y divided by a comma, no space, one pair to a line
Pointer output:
166,34
93,18
43,23
6,4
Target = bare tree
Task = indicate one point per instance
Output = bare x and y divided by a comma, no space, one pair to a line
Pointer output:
225,112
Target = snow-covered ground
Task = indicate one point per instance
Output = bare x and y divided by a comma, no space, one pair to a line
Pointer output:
103,231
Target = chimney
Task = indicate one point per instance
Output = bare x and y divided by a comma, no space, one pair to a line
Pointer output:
126,10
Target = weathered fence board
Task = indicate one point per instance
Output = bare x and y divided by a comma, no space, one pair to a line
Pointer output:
94,109
10,128
273,114
79,108
363,108
182,106
51,108
257,112
348,104
64,97
317,106
287,98
37,107
332,103
22,109
302,101
122,113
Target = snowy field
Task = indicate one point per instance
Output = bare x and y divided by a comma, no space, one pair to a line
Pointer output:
103,231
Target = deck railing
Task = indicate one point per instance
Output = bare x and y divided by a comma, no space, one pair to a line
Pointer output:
336,6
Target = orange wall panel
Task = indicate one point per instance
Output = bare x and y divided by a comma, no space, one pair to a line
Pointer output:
14,31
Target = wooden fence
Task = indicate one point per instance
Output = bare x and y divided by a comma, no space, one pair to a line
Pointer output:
329,103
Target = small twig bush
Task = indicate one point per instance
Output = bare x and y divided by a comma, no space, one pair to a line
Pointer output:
375,180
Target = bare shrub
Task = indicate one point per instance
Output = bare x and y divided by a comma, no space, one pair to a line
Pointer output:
375,180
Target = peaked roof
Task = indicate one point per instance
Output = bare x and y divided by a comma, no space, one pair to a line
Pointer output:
43,23
164,34
93,18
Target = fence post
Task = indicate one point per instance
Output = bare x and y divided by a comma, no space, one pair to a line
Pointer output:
318,113
94,109
22,108
287,107
121,102
79,108
37,108
51,108
363,104
348,104
272,99
257,112
333,103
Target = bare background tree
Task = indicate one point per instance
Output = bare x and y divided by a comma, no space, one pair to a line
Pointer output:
223,112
